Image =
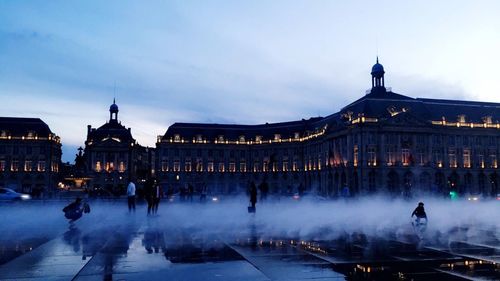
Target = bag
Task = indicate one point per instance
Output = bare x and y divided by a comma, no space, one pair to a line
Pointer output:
251,209
86,208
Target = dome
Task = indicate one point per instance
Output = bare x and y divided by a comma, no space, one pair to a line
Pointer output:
113,107
378,70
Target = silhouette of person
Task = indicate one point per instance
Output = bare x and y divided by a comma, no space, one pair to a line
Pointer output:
419,212
253,194
131,196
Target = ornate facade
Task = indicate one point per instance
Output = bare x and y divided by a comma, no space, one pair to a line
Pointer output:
113,157
30,156
382,142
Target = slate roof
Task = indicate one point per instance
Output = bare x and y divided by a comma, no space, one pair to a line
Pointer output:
112,129
17,126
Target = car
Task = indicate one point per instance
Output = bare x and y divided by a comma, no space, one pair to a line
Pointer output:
11,195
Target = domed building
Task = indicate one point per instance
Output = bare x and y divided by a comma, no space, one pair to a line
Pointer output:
113,157
382,142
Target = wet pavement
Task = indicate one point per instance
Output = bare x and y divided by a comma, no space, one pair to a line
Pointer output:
125,246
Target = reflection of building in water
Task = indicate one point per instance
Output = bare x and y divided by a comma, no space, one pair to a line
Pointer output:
383,141
113,156
30,155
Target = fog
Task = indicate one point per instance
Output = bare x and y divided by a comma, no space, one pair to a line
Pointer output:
302,219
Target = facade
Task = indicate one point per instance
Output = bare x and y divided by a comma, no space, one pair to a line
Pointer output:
113,157
382,142
30,156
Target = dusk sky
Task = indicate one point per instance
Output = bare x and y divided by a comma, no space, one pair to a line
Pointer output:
233,61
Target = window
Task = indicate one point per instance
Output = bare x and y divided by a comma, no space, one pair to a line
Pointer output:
121,167
256,166
296,136
391,156
232,167
97,166
199,138
177,138
493,161
277,137
467,158
355,156
295,166
258,138
285,165
55,167
242,138
41,166
110,167
243,167
187,165
452,158
480,160
199,165
210,166
372,156
221,167
28,165
177,166
2,165
406,156
164,165
14,166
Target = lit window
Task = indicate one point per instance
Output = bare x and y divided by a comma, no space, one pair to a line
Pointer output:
452,157
164,166
177,138
221,138
405,156
467,158
372,156
97,166
221,167
2,165
265,166
14,166
232,167
256,166
199,138
277,137
199,165
28,166
41,166
258,138
121,167
355,156
187,166
210,166
493,161
243,167
461,118
55,167
295,166
297,136
285,165
110,167
480,159
177,166
242,138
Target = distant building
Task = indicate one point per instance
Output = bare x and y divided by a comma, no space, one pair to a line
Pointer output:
382,142
30,156
113,156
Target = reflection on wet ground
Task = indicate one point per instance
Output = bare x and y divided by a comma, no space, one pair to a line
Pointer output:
149,249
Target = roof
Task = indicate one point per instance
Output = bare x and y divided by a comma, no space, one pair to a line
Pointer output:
17,126
112,129
234,131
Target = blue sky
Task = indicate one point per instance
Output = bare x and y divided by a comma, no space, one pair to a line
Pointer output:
234,61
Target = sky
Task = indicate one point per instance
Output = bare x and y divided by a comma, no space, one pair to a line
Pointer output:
244,62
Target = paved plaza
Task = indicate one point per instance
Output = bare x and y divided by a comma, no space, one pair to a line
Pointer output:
111,244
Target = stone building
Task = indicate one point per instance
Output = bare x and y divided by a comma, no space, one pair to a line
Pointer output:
30,156
382,142
113,157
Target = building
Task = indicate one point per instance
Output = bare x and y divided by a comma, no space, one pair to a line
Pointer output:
382,142
113,157
30,156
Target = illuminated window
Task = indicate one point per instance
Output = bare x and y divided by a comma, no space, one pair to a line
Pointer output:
232,167
493,161
210,166
187,166
277,136
41,166
110,167
295,166
265,166
452,158
296,135
480,160
121,167
256,166
177,138
487,119
164,166
285,165
391,156
243,167
258,138
97,166
438,157
221,167
242,138
355,156
177,166
199,165
55,167
28,165
461,118
405,156
221,138
199,138
2,165
467,158
14,166
372,156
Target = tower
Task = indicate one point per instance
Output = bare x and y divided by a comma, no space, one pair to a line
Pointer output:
113,112
378,75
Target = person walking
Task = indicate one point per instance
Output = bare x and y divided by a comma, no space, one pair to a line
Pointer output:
253,197
131,196
156,196
148,193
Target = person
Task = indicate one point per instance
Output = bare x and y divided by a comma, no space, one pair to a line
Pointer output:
131,196
419,212
148,193
253,195
156,196
74,210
